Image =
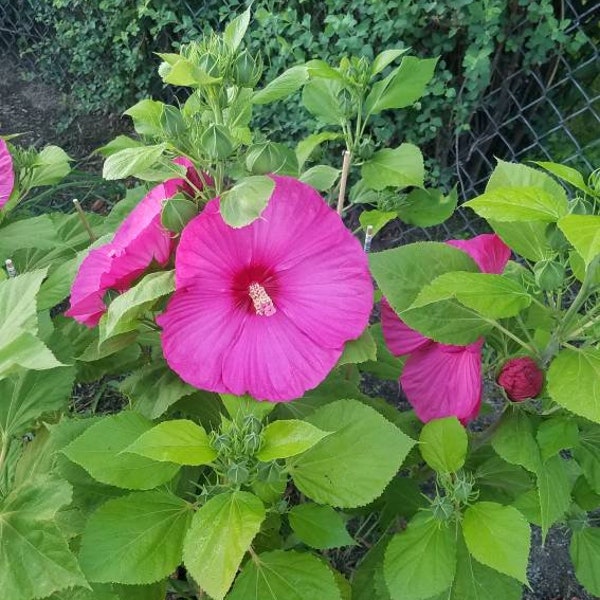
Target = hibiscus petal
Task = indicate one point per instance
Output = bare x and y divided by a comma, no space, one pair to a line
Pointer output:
443,381
398,336
7,175
489,252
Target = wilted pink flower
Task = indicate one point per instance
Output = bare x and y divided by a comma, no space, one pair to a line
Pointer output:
138,241
442,380
7,174
266,309
521,378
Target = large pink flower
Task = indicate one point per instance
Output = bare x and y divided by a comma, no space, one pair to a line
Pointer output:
139,240
7,174
266,309
441,380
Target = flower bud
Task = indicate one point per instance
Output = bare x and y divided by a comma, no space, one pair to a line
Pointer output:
238,473
215,141
556,238
549,275
209,64
521,378
268,157
442,508
579,206
246,70
251,443
177,212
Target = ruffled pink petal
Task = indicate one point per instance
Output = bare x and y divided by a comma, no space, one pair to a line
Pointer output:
315,274
7,174
87,293
192,176
489,252
444,381
398,336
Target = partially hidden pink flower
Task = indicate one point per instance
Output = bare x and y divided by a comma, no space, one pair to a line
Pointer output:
442,380
267,308
139,240
7,174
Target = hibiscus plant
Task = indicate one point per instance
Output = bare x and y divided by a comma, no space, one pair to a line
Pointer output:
247,333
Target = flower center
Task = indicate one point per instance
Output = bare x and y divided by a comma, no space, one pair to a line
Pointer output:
263,305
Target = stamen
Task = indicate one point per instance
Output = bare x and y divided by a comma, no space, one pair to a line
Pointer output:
263,305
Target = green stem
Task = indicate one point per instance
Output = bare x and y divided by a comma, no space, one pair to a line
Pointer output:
512,336
4,450
582,296
525,330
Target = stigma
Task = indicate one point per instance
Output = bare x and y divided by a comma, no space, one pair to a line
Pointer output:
263,305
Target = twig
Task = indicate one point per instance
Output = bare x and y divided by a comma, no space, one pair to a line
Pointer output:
84,219
343,180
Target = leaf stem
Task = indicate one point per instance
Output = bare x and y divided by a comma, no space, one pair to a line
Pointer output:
343,180
512,336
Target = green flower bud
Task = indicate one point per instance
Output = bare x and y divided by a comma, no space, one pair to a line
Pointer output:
442,508
578,206
177,212
238,473
462,490
251,443
209,64
221,443
246,70
269,157
215,141
556,238
549,275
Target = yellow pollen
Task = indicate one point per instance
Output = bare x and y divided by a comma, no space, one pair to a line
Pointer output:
263,305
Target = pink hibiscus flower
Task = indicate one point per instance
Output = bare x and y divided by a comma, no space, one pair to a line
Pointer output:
138,241
7,174
441,380
266,309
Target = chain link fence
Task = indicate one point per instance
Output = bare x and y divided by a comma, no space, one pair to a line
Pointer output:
550,113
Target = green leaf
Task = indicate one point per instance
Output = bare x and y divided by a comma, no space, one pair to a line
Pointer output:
246,200
352,466
515,443
359,350
308,145
125,310
403,86
585,554
282,86
320,177
568,174
236,29
58,285
499,537
443,444
398,167
36,560
527,239
50,167
556,434
420,562
425,208
221,533
280,575
146,117
135,539
376,219
554,488
402,272
573,381
492,296
319,526
185,72
519,204
31,394
130,161
119,143
321,98
100,451
587,455
282,439
179,441
583,231
367,580
474,581
36,232
383,59
239,407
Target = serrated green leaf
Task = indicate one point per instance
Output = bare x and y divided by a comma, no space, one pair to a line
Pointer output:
130,161
146,117
383,59
179,441
246,200
320,527
352,466
125,310
135,539
426,208
587,454
236,29
556,434
240,406
554,489
585,554
221,533
515,443
282,439
376,219
320,177
309,144
398,167
527,239
499,537
359,350
99,450
583,231
443,444
568,174
280,575
282,86
368,582
573,379
420,562
321,98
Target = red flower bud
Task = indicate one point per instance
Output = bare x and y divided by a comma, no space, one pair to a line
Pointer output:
521,378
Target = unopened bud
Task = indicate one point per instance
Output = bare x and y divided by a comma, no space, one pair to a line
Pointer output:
521,378
549,274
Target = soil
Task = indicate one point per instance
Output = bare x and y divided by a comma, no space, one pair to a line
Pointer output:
40,114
